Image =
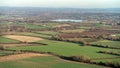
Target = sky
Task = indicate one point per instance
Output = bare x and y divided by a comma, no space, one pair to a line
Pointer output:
62,3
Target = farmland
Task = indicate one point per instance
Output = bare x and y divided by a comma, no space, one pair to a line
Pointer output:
62,48
69,49
7,40
30,39
35,26
2,53
36,35
23,38
44,62
108,43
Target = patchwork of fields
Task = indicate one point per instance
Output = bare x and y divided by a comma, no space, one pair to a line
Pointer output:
69,49
63,48
7,40
45,62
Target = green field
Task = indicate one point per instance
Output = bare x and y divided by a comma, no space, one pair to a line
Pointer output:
85,39
7,40
36,35
118,35
51,33
5,52
108,43
45,62
69,49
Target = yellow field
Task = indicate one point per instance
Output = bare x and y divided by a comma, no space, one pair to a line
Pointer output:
23,38
20,56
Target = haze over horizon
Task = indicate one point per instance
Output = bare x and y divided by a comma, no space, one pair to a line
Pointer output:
62,3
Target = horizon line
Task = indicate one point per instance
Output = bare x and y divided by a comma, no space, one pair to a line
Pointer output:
61,7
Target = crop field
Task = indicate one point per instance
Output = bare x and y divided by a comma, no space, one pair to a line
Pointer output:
7,40
44,62
20,56
23,38
69,49
38,37
108,43
58,47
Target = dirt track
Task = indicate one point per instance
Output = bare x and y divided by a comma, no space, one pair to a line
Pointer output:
20,56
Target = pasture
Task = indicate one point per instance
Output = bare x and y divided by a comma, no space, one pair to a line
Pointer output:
35,35
69,49
7,40
45,62
2,53
108,43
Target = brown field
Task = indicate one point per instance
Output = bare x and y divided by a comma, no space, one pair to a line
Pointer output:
23,38
69,31
20,56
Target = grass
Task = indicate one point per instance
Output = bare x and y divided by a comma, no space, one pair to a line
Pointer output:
51,33
7,40
5,52
45,62
68,49
108,43
97,25
85,39
36,35
118,35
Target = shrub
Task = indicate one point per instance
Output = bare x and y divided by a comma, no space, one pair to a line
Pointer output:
2,47
81,58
